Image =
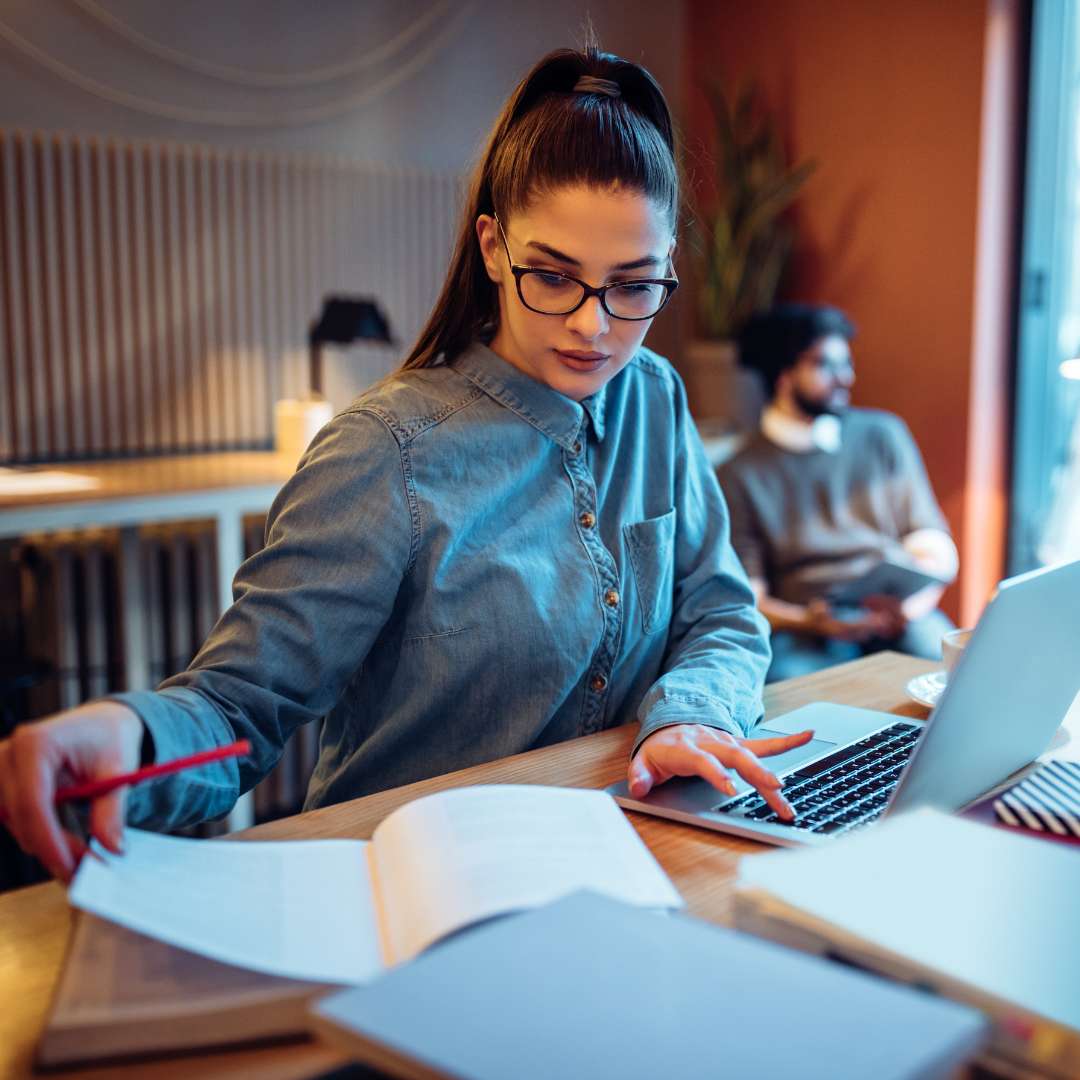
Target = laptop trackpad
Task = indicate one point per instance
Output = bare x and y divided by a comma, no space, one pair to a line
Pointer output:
790,759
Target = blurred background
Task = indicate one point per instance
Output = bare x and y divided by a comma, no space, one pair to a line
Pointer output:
183,186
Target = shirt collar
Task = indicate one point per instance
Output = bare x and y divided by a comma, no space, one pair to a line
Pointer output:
594,409
801,436
557,416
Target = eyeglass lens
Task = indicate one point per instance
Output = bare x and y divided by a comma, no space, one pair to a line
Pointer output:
553,294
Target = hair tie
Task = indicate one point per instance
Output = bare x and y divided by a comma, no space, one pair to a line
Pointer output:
593,84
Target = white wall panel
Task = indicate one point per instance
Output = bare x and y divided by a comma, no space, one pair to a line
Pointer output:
156,297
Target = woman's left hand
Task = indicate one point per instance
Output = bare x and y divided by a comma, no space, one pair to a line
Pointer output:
700,750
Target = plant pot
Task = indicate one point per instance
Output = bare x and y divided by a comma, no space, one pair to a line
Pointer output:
723,397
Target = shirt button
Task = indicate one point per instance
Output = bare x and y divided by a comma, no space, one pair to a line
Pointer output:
577,448
611,598
587,520
598,682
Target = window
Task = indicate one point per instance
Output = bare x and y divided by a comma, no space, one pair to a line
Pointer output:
1045,514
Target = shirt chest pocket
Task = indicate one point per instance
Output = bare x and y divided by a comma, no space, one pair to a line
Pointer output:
651,545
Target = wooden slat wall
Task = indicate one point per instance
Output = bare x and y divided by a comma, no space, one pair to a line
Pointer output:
155,298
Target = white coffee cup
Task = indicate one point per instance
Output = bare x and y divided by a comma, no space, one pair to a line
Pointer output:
952,645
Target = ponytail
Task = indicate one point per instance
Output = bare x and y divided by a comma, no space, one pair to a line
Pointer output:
579,117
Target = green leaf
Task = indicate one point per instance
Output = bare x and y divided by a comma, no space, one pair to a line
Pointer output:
743,244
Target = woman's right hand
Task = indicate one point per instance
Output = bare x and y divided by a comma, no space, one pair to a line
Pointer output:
91,742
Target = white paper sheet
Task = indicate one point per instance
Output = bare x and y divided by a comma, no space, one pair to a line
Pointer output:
302,909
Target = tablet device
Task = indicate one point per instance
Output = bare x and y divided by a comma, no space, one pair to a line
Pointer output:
887,578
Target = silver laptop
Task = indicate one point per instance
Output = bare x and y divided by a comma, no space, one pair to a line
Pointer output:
1004,700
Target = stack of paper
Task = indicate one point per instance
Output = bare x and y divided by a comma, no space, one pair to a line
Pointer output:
972,912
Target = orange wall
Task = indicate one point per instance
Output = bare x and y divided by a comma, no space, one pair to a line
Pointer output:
888,99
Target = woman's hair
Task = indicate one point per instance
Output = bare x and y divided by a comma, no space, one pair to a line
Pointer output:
579,117
771,341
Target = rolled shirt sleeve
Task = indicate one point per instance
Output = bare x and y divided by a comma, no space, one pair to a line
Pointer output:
306,609
718,649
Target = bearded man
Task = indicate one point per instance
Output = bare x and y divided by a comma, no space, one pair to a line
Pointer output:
822,493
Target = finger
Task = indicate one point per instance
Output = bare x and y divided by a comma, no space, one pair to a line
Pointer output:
107,820
639,777
777,801
764,782
841,629
695,758
33,817
735,755
752,770
777,744
685,757
647,769
77,848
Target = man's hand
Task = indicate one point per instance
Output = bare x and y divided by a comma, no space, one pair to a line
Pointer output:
91,742
888,614
822,621
700,750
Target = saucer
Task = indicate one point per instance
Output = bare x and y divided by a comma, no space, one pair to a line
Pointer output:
926,689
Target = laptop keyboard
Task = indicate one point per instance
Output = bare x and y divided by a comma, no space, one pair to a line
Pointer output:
843,791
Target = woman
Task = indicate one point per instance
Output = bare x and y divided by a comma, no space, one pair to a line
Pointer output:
514,540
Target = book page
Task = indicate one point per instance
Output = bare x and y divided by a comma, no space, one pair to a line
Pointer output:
460,856
301,909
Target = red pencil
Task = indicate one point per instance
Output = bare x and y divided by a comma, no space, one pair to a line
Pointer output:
93,788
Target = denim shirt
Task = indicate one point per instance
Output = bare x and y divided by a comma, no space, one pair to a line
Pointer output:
465,565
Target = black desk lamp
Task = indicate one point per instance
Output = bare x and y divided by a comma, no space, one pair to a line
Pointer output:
344,319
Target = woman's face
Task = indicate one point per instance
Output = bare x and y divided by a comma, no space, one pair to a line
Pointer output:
597,235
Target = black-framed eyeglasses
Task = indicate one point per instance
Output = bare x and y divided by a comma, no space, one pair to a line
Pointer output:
551,292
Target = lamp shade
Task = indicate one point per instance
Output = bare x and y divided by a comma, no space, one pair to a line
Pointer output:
345,319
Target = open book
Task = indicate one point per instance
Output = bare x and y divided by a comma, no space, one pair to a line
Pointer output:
337,912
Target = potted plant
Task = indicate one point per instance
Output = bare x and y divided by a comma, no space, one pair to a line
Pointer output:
741,243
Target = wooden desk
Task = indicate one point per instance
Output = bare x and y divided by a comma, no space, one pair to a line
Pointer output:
34,922
138,491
